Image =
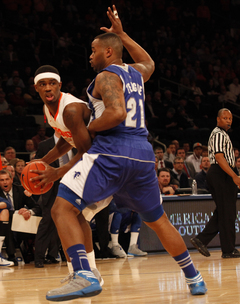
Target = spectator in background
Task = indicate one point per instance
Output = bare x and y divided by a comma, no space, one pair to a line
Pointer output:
186,147
4,106
4,161
204,151
234,88
178,173
19,166
196,157
201,176
236,152
169,155
237,164
226,96
15,80
29,145
18,102
40,136
9,153
161,162
187,167
33,100
164,178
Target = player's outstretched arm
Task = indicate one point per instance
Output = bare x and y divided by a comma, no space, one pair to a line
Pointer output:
143,61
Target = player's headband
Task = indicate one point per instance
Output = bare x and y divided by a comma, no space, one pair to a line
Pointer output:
46,75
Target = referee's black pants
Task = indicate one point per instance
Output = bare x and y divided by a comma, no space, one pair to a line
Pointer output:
224,193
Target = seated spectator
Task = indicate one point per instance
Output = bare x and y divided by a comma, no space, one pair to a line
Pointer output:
237,165
11,169
236,152
170,121
17,102
125,220
4,227
187,167
226,96
40,136
201,176
196,157
15,80
234,88
169,155
164,178
4,106
18,166
33,100
20,200
186,147
204,151
9,153
4,161
178,173
184,122
161,162
29,145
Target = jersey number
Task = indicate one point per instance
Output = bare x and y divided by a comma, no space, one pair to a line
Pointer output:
132,106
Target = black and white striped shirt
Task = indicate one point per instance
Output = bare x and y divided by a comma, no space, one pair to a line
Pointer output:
220,142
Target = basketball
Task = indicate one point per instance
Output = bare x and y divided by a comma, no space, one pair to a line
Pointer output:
27,175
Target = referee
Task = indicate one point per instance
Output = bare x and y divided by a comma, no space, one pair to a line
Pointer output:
222,182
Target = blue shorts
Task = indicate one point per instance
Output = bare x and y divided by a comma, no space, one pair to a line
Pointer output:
122,166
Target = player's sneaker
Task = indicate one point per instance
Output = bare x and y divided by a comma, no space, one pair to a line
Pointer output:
82,283
133,250
118,251
4,262
98,276
196,285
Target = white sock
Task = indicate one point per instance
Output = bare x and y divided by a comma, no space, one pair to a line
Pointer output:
2,238
70,267
114,239
91,259
133,238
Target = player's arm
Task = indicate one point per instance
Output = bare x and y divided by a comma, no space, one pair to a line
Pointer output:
143,61
109,88
225,166
61,148
74,118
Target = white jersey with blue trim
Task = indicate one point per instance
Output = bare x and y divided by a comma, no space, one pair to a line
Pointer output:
56,122
133,89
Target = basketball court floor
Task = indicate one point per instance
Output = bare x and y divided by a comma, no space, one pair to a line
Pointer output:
155,278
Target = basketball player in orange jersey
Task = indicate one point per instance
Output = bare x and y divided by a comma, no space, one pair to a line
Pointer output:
69,116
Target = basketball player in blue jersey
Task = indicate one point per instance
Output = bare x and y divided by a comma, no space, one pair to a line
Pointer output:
120,162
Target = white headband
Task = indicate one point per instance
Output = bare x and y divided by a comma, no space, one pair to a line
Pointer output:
47,75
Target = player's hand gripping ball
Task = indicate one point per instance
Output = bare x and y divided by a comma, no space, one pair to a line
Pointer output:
27,175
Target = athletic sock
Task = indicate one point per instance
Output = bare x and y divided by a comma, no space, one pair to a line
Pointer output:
133,238
78,256
91,259
114,238
185,262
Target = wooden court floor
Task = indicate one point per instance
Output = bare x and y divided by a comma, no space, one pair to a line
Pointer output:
152,279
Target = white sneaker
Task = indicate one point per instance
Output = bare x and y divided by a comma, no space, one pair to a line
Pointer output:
118,251
133,250
98,276
4,262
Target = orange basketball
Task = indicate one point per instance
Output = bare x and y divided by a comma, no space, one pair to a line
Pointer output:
26,175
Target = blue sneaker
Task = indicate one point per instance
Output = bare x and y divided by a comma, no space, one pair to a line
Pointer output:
196,285
82,283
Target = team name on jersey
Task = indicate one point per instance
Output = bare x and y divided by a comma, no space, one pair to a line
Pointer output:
63,134
134,87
